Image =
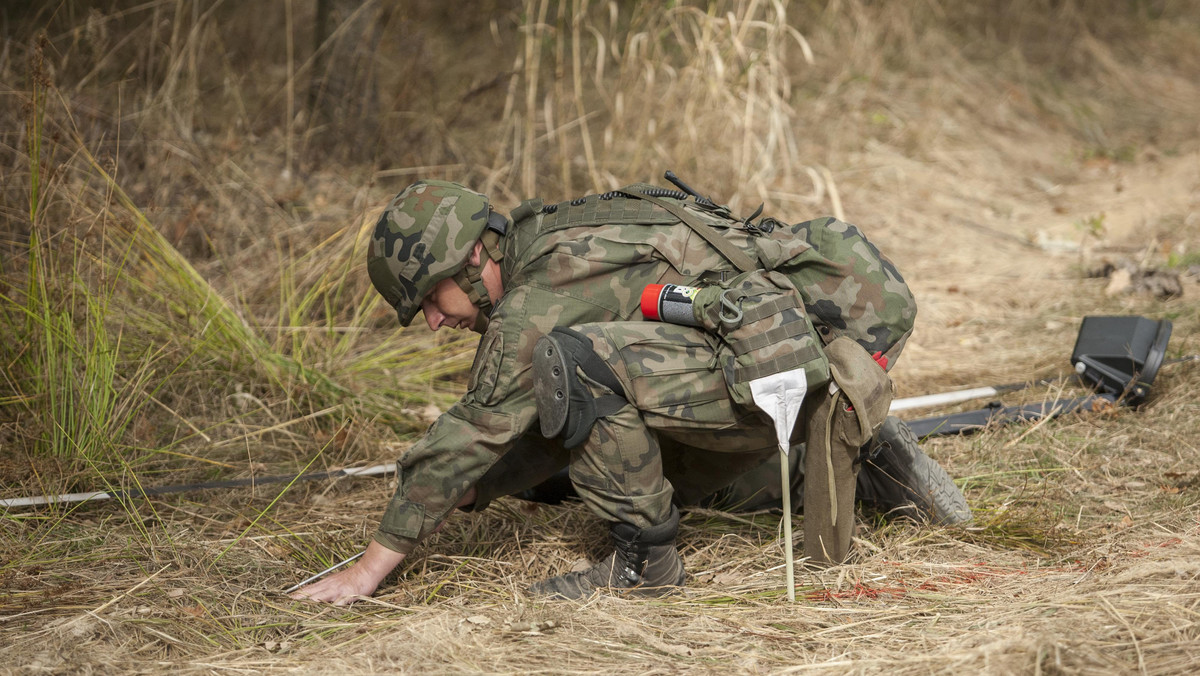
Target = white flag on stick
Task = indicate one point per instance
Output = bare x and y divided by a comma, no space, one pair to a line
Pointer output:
780,396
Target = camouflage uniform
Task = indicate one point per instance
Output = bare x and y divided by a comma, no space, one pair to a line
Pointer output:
584,264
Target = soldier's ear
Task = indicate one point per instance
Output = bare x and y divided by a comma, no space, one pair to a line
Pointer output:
476,254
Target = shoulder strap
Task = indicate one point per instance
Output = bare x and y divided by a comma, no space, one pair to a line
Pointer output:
728,250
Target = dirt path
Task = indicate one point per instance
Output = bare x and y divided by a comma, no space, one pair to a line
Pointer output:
991,259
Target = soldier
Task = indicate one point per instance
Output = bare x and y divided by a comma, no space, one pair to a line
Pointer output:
644,415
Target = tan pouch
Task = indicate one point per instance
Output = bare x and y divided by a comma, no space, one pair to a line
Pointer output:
841,418
866,388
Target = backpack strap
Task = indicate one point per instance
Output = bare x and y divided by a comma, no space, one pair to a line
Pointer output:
728,249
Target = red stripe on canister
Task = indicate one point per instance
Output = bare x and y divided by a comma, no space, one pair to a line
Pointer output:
650,296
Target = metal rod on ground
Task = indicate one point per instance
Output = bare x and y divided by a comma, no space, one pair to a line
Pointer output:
162,490
956,396
328,570
942,399
787,525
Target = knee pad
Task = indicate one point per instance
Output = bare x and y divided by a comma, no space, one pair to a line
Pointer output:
566,405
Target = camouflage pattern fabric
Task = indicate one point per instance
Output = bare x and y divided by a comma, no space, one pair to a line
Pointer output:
674,392
849,287
698,476
584,264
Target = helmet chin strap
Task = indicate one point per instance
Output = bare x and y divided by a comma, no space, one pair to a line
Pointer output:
470,279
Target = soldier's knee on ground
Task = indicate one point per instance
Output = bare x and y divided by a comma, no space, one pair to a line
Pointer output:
567,407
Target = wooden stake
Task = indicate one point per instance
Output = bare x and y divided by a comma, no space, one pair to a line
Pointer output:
787,524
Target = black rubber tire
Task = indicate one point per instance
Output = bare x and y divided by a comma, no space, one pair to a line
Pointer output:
897,478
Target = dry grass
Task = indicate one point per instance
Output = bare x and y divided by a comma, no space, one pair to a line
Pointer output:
183,234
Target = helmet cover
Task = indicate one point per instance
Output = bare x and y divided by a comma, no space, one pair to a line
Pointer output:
425,235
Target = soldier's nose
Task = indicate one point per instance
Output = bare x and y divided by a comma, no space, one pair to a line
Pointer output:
434,319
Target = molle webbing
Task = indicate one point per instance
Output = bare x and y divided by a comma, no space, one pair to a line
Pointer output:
767,338
770,337
595,211
767,309
787,362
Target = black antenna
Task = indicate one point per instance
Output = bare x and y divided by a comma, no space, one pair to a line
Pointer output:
670,176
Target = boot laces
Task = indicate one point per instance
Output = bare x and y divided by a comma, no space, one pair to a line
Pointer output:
630,554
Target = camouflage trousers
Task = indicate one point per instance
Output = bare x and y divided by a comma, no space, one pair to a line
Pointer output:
681,437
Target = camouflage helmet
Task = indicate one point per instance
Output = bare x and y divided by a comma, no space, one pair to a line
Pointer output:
426,234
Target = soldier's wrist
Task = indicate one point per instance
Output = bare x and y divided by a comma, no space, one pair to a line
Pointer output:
394,543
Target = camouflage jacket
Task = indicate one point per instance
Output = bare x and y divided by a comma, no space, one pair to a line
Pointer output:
588,261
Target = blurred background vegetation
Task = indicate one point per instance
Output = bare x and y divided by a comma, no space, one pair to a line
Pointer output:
186,186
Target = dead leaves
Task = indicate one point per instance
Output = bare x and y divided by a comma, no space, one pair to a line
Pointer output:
1127,277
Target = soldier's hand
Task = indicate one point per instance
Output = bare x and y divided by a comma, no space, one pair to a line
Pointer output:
362,579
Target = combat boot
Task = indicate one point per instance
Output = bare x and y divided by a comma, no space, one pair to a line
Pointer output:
898,479
644,562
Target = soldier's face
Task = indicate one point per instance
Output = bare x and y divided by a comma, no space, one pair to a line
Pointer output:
448,305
